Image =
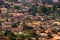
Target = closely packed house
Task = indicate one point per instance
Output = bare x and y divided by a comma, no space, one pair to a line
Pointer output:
13,16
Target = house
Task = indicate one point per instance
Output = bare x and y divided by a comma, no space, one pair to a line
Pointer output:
56,0
3,38
6,26
19,0
58,23
47,1
7,23
3,10
12,0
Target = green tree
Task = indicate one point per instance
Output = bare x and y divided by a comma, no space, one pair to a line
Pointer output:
8,32
27,28
43,10
49,35
9,35
17,7
14,25
34,9
54,7
20,37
